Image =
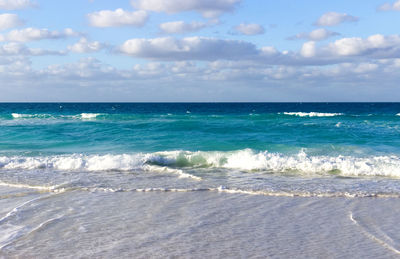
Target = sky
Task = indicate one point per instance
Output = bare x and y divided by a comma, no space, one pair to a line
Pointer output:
199,51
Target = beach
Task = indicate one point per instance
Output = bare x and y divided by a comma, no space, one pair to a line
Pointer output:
157,224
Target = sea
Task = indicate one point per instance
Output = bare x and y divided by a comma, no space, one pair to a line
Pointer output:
189,180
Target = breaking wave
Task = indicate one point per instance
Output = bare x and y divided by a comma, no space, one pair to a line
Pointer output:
312,114
178,162
90,115
25,116
83,116
107,116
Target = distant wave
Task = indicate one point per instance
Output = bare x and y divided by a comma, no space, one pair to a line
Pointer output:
84,116
312,114
106,116
178,162
21,115
18,115
90,115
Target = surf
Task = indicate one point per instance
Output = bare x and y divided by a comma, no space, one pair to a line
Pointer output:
246,160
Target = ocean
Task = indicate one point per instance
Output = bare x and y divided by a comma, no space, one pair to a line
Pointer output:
199,179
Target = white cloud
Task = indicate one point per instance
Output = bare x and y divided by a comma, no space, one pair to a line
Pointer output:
208,8
333,18
376,45
15,4
390,6
13,49
348,46
308,49
250,29
32,34
8,21
192,48
119,17
19,49
315,35
365,68
269,51
180,27
85,68
84,46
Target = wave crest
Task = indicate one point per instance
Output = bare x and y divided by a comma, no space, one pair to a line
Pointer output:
245,160
25,116
90,115
313,114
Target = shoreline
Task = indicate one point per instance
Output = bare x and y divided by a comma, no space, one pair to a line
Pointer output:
197,224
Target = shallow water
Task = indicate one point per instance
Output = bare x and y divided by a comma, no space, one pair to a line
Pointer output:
197,224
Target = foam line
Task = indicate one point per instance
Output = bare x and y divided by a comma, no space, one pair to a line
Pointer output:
178,162
312,114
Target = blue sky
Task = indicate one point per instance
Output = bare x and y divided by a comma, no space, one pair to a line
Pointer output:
199,50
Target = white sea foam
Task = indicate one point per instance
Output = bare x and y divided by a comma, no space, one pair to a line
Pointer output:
176,162
24,116
26,186
165,169
88,163
271,193
249,160
304,194
90,115
18,115
220,189
74,162
312,114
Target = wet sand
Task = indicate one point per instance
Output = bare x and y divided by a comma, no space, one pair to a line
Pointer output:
77,224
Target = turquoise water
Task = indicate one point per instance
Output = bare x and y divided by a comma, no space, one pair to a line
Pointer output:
185,180
120,128
279,147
